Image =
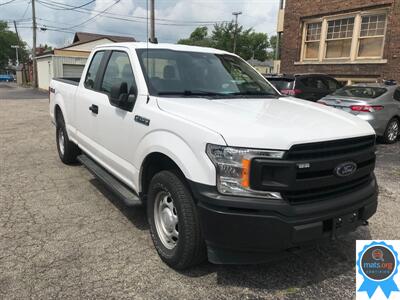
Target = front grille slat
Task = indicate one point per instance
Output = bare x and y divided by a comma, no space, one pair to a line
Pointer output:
330,148
318,182
324,193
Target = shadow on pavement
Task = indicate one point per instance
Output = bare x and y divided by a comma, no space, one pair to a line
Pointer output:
136,215
286,271
291,271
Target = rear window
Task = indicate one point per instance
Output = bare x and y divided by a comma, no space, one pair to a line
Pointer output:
360,92
282,83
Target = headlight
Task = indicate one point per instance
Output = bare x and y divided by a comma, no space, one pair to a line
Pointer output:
233,169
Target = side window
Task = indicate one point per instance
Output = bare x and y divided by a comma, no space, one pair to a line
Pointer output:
396,95
320,84
91,74
332,84
314,82
118,70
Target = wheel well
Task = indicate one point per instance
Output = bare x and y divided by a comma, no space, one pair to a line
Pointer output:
57,113
154,163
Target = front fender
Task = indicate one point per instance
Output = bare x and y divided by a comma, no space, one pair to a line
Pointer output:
190,158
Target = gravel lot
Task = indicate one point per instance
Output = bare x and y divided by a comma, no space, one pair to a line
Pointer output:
63,235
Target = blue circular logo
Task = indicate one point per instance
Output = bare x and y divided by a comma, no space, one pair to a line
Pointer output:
378,263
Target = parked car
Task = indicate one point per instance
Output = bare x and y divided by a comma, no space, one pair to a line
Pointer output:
6,77
227,167
379,104
305,86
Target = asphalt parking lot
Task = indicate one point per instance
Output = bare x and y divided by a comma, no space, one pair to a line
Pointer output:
63,235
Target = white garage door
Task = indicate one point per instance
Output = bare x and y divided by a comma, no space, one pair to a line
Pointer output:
72,70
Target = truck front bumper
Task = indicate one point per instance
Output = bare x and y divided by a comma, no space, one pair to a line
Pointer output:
243,230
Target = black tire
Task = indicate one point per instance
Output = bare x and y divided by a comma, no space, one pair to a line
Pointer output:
388,136
70,151
189,249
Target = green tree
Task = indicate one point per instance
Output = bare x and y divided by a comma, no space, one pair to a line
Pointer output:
272,44
7,39
249,43
199,37
256,45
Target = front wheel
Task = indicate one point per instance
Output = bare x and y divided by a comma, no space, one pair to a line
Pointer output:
174,223
392,131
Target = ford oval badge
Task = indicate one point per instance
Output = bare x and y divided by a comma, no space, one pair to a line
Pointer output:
346,169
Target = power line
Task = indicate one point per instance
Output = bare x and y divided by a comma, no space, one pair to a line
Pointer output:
26,10
95,16
11,1
50,4
70,7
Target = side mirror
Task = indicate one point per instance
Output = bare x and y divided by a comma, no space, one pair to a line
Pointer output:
119,96
119,91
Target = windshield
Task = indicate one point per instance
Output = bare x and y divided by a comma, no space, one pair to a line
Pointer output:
360,92
169,72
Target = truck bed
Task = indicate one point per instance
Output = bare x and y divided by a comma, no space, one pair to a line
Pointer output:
69,80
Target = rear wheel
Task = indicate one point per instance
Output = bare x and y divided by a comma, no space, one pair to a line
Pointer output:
174,223
67,150
392,131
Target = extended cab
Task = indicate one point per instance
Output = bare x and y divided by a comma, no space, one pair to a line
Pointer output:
227,167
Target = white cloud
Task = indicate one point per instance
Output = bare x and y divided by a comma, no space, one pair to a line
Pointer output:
261,15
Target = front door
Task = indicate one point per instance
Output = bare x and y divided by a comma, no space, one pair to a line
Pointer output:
118,134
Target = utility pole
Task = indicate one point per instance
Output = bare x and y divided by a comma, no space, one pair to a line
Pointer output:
16,30
153,38
236,14
34,77
16,47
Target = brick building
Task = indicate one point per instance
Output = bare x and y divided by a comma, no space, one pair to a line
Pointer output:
352,40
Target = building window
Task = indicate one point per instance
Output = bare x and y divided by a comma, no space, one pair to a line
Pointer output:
313,36
339,37
372,35
357,36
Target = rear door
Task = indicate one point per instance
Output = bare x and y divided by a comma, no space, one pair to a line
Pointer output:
87,102
396,97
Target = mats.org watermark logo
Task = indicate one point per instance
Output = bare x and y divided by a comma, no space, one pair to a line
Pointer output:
377,270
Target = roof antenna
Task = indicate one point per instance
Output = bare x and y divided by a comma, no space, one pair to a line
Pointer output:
153,38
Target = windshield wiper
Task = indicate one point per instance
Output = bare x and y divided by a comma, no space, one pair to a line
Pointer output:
215,94
191,93
249,93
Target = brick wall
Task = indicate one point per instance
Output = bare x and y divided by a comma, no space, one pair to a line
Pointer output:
297,10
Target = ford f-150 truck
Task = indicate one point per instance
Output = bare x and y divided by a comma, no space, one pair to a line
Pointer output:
227,167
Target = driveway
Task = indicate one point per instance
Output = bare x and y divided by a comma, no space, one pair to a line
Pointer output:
10,90
63,235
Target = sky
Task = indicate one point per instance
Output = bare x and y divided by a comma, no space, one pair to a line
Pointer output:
175,19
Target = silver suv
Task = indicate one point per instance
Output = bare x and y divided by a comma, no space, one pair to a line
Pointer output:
379,104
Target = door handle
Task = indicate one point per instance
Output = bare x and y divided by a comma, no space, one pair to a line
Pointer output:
94,109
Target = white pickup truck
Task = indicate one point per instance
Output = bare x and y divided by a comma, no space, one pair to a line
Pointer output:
227,167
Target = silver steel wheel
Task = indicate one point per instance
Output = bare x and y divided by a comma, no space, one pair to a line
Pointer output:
393,131
61,141
166,220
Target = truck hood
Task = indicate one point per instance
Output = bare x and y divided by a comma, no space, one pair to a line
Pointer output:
267,123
